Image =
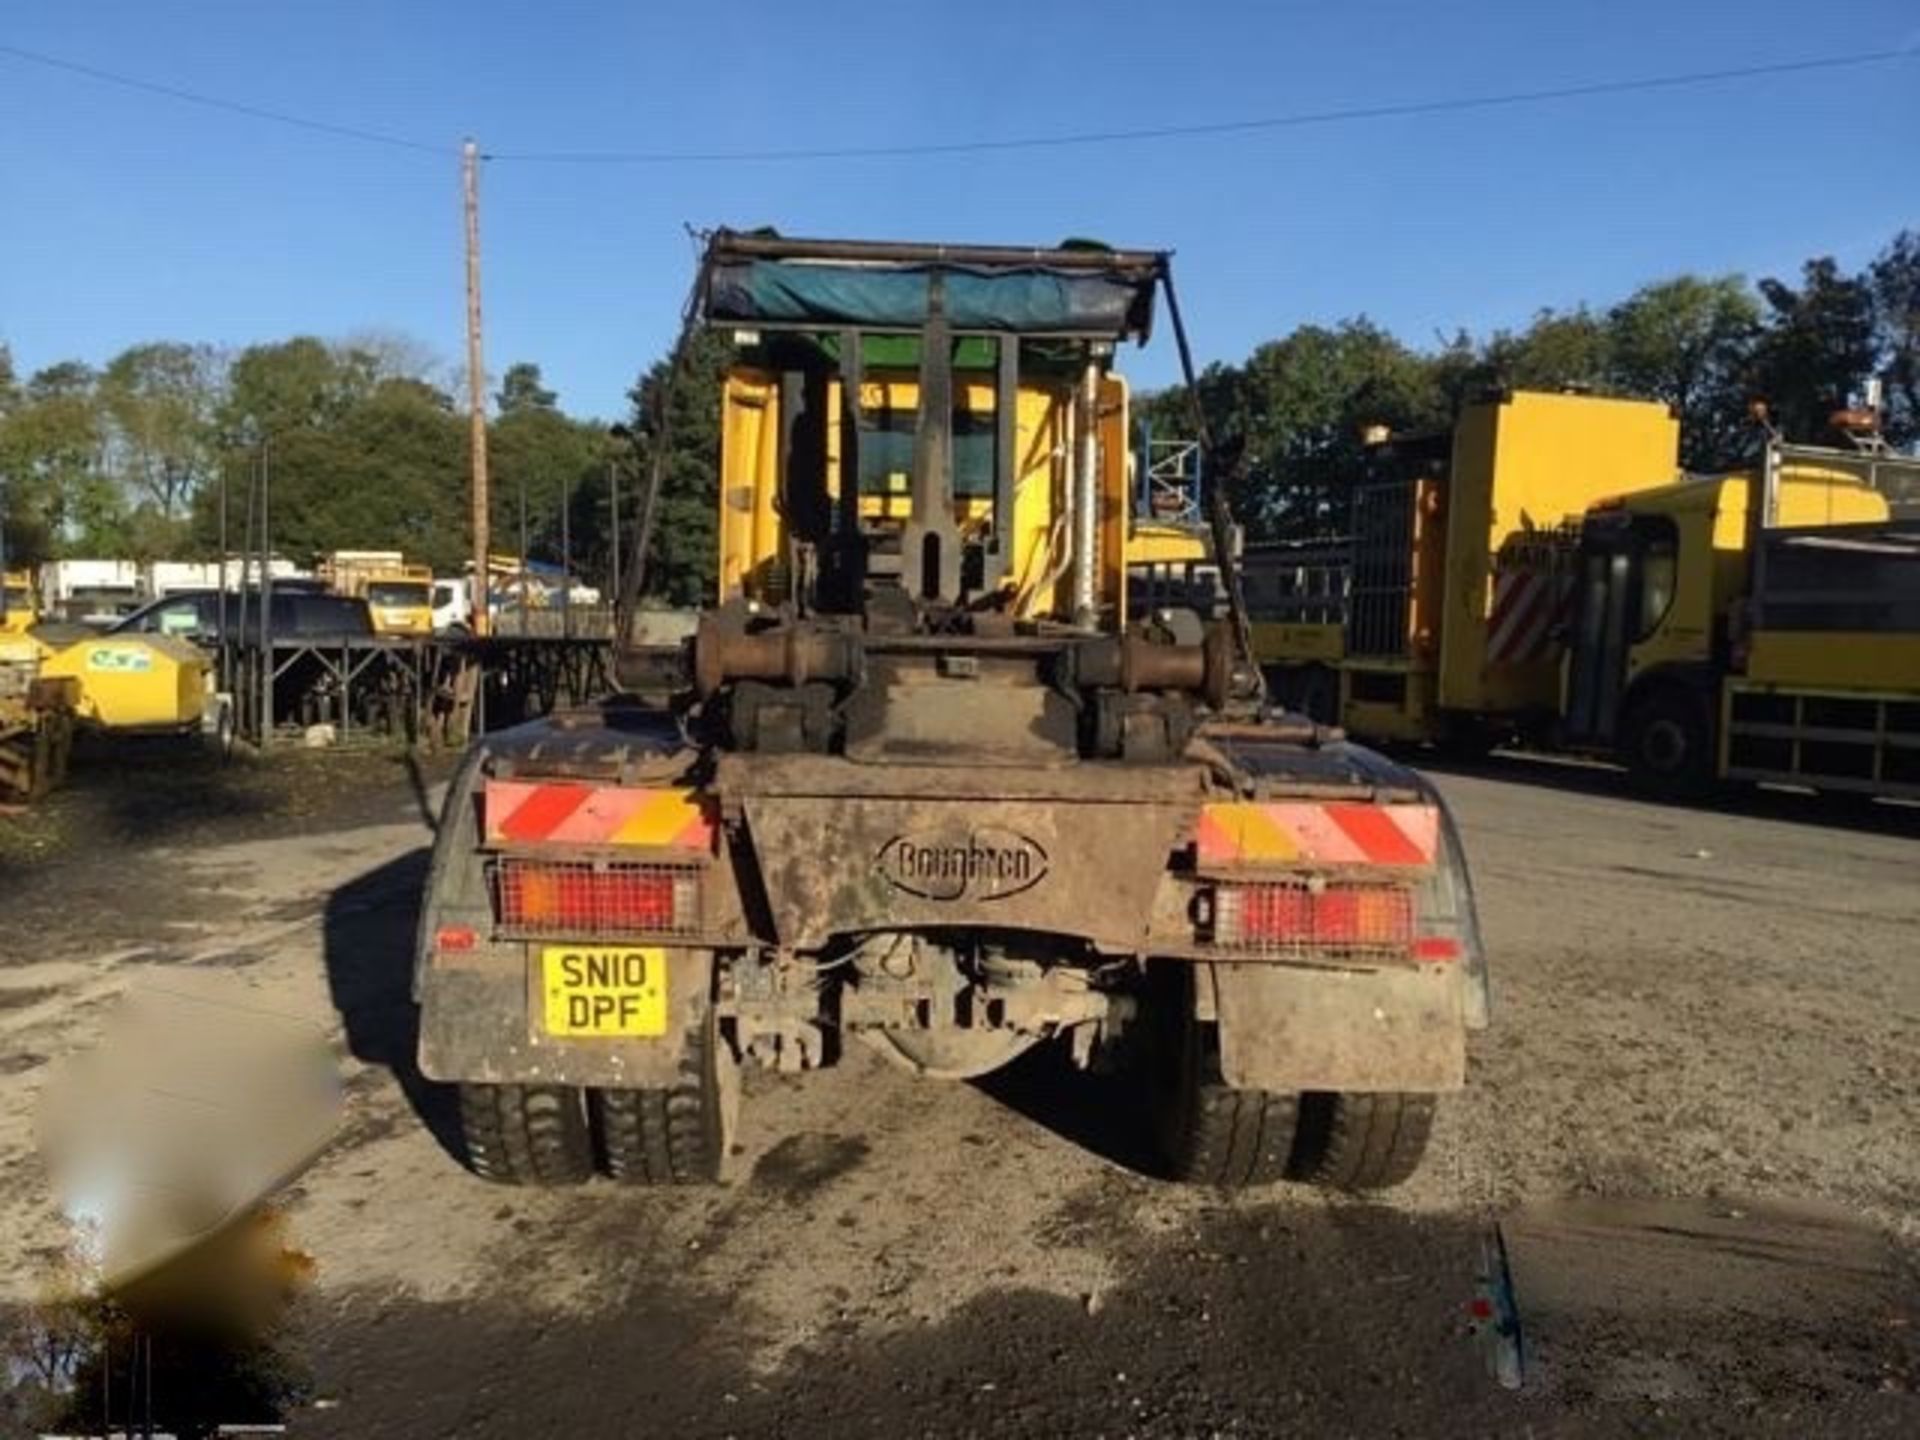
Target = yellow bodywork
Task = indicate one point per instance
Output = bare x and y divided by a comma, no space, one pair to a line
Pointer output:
1521,468
1279,642
399,596
1157,542
135,682
36,719
21,608
394,608
1522,471
753,537
1709,574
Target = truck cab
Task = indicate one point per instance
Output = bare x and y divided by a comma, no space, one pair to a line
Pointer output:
1666,630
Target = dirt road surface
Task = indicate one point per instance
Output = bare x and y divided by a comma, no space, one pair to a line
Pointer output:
1694,1123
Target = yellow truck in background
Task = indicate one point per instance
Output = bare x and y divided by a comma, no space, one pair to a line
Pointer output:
1760,627
1544,573
1439,618
399,595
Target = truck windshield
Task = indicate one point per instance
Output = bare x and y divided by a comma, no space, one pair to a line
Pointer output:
396,593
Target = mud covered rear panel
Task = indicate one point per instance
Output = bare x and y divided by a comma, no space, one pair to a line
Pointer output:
833,866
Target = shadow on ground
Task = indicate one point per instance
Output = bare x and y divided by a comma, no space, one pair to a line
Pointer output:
1104,1114
368,943
1831,811
1265,1319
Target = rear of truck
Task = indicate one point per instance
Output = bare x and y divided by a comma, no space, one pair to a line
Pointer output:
927,788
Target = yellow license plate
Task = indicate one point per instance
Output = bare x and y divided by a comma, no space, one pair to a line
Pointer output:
604,990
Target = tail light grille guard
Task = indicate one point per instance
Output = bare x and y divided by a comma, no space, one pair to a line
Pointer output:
1309,917
592,898
1328,882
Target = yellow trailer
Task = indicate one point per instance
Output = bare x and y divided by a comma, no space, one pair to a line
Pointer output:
1439,616
137,683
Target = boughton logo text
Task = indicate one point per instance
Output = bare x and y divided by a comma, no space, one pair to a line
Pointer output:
988,863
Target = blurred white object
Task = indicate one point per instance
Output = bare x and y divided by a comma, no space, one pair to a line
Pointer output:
196,1106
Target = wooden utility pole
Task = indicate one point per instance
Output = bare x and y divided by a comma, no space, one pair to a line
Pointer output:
480,621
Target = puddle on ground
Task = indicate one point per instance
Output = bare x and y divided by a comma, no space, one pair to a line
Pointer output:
1722,1298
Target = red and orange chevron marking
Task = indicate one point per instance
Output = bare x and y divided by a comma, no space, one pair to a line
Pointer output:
1310,832
572,813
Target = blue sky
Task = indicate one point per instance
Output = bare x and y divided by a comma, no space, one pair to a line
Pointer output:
126,217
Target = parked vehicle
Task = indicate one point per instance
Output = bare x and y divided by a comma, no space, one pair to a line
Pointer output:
930,787
1440,614
209,616
399,595
1759,626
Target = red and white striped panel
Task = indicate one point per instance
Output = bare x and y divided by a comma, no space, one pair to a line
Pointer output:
518,812
1528,605
1243,832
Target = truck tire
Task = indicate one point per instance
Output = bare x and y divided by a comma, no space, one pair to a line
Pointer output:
1355,1141
1667,741
678,1134
1209,1133
526,1134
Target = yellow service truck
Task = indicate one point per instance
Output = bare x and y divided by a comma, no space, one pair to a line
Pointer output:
928,785
399,596
1439,617
1762,626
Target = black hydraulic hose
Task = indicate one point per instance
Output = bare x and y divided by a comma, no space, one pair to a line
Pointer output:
1219,509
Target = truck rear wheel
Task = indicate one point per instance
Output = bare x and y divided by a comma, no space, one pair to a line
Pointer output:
1208,1132
678,1134
526,1134
1355,1141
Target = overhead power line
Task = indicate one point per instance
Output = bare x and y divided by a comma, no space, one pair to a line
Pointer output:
1297,120
232,107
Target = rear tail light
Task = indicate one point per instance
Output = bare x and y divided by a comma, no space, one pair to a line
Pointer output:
455,938
565,897
1304,915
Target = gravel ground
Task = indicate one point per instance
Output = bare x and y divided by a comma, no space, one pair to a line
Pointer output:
1693,1124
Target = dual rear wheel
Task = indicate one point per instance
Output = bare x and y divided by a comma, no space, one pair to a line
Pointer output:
1210,1133
678,1134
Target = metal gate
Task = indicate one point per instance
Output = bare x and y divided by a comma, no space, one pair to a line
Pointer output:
1382,585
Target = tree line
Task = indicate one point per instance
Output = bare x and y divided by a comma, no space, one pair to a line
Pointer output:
365,449
1296,408
361,447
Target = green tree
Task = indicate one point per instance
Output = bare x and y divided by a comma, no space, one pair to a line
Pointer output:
550,458
1558,350
680,561
1894,278
521,389
1688,341
60,495
1298,409
384,469
159,401
1816,349
298,384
